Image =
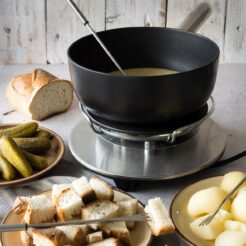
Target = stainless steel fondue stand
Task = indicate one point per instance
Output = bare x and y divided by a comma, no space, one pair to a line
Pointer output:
154,153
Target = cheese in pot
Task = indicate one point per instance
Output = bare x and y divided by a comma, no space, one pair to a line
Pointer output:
146,71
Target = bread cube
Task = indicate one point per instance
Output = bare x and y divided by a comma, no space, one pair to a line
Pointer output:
106,242
74,234
48,237
94,237
117,230
68,205
128,207
83,188
39,210
103,190
160,223
57,189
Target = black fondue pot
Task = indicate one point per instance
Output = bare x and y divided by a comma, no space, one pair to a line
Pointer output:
149,99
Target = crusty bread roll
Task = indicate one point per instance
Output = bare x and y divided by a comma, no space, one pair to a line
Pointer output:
39,94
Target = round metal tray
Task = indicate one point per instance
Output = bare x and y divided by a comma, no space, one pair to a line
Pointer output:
133,163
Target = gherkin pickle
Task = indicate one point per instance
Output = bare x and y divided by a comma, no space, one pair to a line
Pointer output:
23,130
6,169
14,155
37,162
36,145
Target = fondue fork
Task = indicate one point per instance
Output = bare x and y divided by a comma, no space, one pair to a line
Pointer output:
24,227
210,217
86,23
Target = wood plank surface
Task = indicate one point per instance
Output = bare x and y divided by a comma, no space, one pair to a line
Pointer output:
123,13
213,28
22,31
235,32
64,27
40,31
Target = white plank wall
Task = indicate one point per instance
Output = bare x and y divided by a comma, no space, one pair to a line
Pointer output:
214,26
235,32
125,13
22,31
40,31
64,27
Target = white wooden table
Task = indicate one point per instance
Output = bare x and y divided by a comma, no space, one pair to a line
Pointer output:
230,113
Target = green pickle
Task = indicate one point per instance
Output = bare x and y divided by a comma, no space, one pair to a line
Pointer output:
36,145
23,130
6,169
37,162
14,155
43,134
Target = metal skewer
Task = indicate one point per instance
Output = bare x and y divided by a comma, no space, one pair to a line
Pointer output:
86,23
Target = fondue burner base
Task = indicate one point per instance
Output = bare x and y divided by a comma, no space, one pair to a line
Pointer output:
121,162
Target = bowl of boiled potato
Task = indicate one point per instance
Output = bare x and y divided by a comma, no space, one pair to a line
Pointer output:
195,202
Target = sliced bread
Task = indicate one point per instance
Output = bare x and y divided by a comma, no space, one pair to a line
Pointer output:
39,94
83,188
39,210
94,237
103,190
160,223
48,237
68,205
106,242
128,207
117,230
74,234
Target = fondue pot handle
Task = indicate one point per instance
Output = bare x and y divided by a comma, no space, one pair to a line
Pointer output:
196,18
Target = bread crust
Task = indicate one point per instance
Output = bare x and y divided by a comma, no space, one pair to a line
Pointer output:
89,196
102,183
23,90
113,241
19,206
26,238
60,212
57,237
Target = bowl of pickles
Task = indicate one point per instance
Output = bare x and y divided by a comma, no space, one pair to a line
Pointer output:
27,151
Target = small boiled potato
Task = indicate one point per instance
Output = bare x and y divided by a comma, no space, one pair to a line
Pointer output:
207,232
243,189
231,238
233,225
230,180
212,230
238,208
207,201
223,215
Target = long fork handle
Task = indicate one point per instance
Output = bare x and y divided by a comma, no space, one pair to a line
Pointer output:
86,23
231,193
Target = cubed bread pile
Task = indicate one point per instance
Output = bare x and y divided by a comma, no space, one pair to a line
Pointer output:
93,199
228,228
